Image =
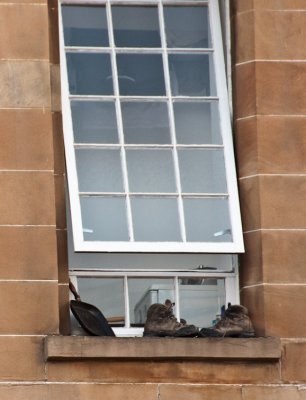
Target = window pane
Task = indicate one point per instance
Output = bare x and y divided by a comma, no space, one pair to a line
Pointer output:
136,26
197,123
202,171
99,170
94,122
145,292
145,123
155,219
85,26
89,74
140,74
151,171
186,26
207,220
201,300
104,218
100,293
191,75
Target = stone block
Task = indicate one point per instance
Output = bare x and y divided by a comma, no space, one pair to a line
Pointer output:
270,393
251,262
25,83
280,35
244,90
28,307
255,137
78,392
20,26
21,359
280,88
164,372
284,307
244,37
28,252
250,203
27,198
283,256
293,362
26,139
199,392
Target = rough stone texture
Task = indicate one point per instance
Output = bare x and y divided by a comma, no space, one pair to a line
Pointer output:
27,252
26,139
29,22
28,307
293,362
27,198
21,358
78,392
271,393
199,392
254,138
69,348
164,372
265,199
24,83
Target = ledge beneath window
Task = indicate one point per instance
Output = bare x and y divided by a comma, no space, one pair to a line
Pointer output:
90,347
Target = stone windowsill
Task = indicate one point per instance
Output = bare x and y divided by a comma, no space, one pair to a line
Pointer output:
92,347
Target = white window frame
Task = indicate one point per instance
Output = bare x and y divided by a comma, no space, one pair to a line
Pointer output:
230,282
80,244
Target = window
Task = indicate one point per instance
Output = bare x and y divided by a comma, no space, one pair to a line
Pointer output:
147,128
149,155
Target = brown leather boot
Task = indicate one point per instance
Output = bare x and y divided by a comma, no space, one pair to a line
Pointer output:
161,322
235,323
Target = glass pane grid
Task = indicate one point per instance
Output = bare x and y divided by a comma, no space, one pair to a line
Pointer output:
198,299
158,79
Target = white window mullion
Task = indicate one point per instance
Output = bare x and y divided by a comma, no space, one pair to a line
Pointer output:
127,318
177,298
171,120
119,121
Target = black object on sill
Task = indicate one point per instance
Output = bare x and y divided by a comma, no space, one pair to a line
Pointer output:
89,316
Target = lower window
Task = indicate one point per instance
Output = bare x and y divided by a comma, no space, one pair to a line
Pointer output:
124,296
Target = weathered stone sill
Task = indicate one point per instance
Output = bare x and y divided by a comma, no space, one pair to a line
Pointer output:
92,347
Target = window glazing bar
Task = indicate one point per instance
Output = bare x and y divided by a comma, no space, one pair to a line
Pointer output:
119,122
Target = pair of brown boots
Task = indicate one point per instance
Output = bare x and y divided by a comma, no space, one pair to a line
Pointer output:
161,322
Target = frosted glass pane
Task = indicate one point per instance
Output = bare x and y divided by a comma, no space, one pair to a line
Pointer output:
197,123
186,26
136,26
140,74
104,218
89,74
85,26
94,122
202,171
99,170
201,300
150,171
155,219
191,75
146,123
145,292
100,292
207,220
